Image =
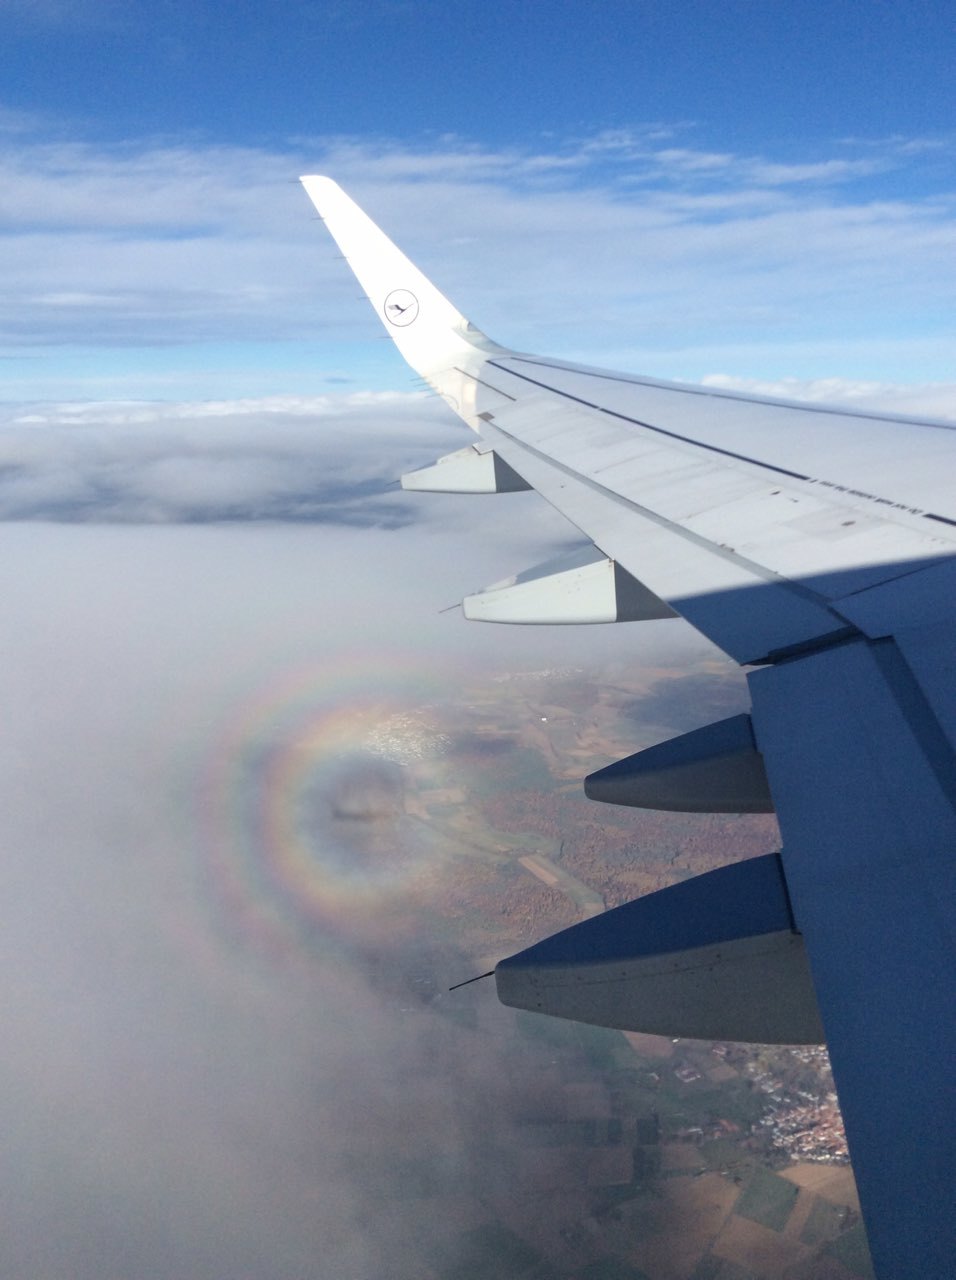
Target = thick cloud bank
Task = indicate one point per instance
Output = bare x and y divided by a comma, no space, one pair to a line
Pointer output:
318,459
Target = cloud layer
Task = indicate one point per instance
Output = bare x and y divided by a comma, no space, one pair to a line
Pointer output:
627,247
323,459
319,459
215,1065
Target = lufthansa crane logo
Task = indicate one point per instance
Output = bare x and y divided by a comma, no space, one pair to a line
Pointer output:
401,307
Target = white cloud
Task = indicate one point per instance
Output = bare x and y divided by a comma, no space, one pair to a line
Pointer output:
319,459
570,246
685,160
120,413
203,1075
930,400
823,171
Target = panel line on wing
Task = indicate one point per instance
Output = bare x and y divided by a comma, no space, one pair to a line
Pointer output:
649,426
885,503
725,553
481,382
718,393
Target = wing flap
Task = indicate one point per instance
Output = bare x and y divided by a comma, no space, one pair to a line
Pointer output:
787,525
739,606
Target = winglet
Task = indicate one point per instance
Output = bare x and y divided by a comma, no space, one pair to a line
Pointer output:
429,332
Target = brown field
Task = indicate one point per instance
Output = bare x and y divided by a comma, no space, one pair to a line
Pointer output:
832,1181
688,1216
681,1155
722,1073
536,869
757,1248
819,1267
649,1046
799,1214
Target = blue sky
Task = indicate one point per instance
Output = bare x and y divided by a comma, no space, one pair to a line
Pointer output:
752,74
742,191
739,191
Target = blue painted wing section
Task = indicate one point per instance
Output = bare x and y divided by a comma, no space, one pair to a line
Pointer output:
863,775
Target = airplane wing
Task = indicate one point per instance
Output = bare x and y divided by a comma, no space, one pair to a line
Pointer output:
814,545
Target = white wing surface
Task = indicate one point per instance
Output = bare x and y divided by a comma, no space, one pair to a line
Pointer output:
816,546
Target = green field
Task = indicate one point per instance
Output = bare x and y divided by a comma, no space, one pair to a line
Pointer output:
767,1199
825,1221
852,1250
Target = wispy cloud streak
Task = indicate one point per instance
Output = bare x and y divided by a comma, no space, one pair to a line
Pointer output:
627,238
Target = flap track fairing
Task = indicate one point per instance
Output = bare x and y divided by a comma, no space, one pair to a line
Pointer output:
468,470
584,587
715,957
715,769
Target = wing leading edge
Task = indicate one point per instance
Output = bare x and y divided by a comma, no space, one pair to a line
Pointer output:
819,545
